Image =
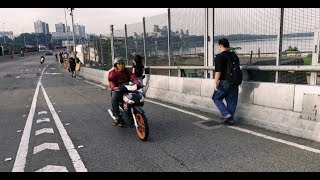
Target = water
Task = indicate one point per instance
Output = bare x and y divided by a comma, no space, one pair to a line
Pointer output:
266,46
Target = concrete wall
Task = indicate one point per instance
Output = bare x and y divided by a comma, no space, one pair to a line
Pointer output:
272,106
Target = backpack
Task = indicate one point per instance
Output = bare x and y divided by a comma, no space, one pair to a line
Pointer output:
234,73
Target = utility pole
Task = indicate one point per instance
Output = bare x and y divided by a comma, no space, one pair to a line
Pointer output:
66,29
24,39
74,42
4,37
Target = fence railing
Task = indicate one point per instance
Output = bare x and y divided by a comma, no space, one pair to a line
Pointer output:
307,76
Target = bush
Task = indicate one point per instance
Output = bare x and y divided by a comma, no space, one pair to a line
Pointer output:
307,60
290,48
234,49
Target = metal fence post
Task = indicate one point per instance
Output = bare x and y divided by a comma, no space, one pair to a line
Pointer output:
125,42
206,39
144,41
89,49
101,57
112,48
169,39
279,39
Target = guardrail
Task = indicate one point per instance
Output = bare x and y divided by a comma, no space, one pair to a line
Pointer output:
283,68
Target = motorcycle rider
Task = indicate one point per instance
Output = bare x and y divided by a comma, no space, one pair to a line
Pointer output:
42,58
118,76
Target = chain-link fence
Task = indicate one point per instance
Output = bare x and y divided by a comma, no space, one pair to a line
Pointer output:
255,34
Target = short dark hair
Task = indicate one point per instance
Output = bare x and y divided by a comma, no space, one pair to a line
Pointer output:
224,42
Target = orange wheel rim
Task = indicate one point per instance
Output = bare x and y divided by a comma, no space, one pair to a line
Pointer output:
141,129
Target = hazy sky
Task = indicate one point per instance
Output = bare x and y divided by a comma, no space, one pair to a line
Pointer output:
96,20
227,20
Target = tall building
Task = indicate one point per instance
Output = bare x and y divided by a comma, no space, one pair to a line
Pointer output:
80,30
41,27
60,27
46,30
9,34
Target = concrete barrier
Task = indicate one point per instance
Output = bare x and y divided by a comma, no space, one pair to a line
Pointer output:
272,106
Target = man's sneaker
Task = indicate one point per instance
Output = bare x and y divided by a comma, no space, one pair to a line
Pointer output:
229,122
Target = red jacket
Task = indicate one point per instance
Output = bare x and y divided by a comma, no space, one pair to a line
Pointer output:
117,78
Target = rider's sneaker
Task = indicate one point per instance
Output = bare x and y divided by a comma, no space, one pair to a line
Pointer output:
115,122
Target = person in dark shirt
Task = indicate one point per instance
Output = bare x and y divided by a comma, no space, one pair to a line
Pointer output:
118,76
137,66
222,89
72,64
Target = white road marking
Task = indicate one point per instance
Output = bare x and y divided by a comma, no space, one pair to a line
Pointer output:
81,146
95,84
59,111
20,161
44,130
67,124
51,168
44,146
73,153
22,152
18,131
177,109
43,120
8,159
27,106
24,115
246,130
42,112
52,73
276,139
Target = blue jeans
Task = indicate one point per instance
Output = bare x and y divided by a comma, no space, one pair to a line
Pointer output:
230,94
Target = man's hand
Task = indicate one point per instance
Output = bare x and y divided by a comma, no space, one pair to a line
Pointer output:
215,85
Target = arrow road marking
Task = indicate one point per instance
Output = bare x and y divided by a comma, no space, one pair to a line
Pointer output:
44,130
41,147
50,168
42,112
43,120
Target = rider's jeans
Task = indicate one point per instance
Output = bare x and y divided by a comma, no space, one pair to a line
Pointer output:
116,98
230,94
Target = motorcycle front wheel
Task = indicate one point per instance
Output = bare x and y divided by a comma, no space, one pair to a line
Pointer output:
143,127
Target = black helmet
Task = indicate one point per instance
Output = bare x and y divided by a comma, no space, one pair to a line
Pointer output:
118,60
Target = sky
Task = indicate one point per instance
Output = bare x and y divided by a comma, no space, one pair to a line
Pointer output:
226,20
95,20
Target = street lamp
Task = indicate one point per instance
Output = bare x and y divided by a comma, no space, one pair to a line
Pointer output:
74,42
4,37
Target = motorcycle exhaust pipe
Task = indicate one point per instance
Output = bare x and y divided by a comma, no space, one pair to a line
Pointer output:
111,113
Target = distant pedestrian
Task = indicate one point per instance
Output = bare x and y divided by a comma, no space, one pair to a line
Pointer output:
61,59
227,79
72,64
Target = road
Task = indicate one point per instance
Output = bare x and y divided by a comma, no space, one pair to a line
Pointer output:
50,121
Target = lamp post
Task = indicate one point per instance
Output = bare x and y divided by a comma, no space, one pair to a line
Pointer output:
4,37
74,42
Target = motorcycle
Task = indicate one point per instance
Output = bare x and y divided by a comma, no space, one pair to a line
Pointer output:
42,60
131,112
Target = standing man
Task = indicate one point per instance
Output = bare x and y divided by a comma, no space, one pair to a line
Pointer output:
228,77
